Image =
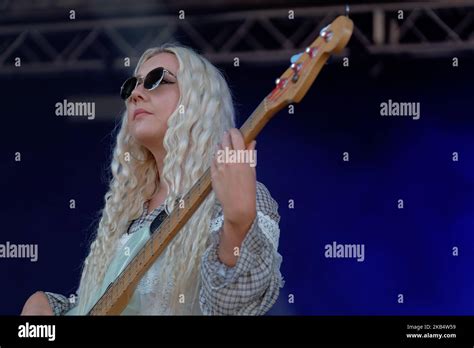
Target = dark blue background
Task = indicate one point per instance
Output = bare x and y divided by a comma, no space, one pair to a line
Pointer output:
407,251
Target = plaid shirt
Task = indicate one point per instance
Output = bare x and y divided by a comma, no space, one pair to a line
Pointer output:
250,287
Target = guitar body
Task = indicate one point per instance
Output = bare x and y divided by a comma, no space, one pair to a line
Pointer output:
120,261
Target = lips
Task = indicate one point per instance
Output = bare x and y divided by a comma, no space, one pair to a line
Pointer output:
139,112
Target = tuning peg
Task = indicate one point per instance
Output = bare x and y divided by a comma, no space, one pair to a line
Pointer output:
295,58
326,34
296,67
281,83
312,51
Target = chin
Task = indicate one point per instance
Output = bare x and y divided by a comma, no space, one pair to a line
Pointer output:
145,136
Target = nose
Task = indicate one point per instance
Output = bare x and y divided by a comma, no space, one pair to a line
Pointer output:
138,94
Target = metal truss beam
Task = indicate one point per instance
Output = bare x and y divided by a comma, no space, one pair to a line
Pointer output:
427,28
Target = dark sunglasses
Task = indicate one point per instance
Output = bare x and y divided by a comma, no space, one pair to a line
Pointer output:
152,80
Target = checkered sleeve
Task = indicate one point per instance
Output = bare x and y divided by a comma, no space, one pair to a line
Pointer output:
60,304
252,286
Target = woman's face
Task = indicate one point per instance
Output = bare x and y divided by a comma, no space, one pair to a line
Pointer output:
149,128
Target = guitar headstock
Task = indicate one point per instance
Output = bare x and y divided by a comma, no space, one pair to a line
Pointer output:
298,78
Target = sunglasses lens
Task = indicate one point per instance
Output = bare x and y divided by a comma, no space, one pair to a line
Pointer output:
153,78
127,88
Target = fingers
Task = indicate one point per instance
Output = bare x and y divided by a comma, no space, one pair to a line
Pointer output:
215,159
232,140
251,147
226,141
237,139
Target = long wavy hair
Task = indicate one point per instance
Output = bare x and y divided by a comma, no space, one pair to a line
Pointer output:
189,142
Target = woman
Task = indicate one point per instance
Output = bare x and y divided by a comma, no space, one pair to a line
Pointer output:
179,113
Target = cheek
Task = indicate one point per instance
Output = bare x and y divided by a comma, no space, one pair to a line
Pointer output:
164,107
176,99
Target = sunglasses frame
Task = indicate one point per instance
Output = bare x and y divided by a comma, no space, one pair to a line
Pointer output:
139,80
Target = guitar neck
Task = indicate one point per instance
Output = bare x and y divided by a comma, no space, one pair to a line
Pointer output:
119,293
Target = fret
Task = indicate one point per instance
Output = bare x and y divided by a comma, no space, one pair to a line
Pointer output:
97,308
120,283
111,291
106,301
138,262
134,267
144,255
159,239
172,217
109,302
104,304
129,270
192,191
198,193
152,244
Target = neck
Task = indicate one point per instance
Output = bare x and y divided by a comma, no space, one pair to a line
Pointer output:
162,189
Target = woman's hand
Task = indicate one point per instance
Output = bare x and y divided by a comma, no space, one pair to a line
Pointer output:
37,304
235,186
